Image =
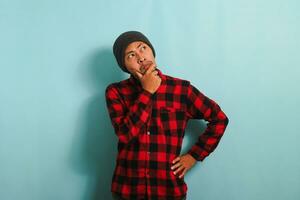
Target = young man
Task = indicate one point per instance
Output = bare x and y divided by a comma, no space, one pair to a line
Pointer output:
149,112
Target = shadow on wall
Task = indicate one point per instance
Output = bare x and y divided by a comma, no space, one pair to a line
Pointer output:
94,148
193,130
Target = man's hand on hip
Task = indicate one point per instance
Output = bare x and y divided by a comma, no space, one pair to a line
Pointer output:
182,164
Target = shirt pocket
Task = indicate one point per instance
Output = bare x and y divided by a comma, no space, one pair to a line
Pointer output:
173,120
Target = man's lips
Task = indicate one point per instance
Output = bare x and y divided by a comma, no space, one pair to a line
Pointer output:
145,67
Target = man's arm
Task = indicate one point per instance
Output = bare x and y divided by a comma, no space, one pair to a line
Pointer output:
200,106
128,121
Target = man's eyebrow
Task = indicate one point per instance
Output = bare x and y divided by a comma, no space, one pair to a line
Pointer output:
129,52
140,45
133,51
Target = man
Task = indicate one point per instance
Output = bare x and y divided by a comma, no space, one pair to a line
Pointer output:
149,112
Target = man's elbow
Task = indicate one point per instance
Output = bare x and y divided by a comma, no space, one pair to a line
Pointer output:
226,120
223,118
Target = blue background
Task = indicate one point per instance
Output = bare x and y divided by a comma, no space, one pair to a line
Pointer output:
56,140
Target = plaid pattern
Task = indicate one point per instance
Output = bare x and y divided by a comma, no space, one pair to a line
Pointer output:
150,129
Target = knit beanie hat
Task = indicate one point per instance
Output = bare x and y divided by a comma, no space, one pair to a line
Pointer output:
123,41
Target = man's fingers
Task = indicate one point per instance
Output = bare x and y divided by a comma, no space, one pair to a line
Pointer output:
139,75
150,69
155,72
176,159
179,169
178,164
183,173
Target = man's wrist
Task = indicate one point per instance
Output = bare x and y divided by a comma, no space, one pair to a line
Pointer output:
192,157
148,91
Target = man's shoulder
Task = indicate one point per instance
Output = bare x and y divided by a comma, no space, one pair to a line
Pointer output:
176,80
115,85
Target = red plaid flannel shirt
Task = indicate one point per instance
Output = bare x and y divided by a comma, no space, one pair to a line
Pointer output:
150,130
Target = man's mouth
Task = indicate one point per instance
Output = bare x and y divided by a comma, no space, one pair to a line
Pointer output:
145,66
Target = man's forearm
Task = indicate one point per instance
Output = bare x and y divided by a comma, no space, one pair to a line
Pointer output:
128,122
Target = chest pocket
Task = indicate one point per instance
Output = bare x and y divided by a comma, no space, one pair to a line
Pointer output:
173,120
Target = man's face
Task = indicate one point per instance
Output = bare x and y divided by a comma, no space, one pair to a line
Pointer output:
138,57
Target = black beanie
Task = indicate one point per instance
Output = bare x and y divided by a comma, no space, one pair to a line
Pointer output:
123,41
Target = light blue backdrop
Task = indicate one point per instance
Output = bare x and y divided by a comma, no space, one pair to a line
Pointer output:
56,140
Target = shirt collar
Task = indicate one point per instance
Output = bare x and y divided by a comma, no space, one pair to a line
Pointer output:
137,83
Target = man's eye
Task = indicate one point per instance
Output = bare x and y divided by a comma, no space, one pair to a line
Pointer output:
143,47
130,55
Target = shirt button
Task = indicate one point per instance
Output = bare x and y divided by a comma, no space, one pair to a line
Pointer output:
148,132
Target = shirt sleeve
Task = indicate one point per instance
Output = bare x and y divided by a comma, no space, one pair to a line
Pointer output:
128,121
200,106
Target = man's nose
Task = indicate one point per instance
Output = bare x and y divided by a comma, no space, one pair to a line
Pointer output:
141,59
